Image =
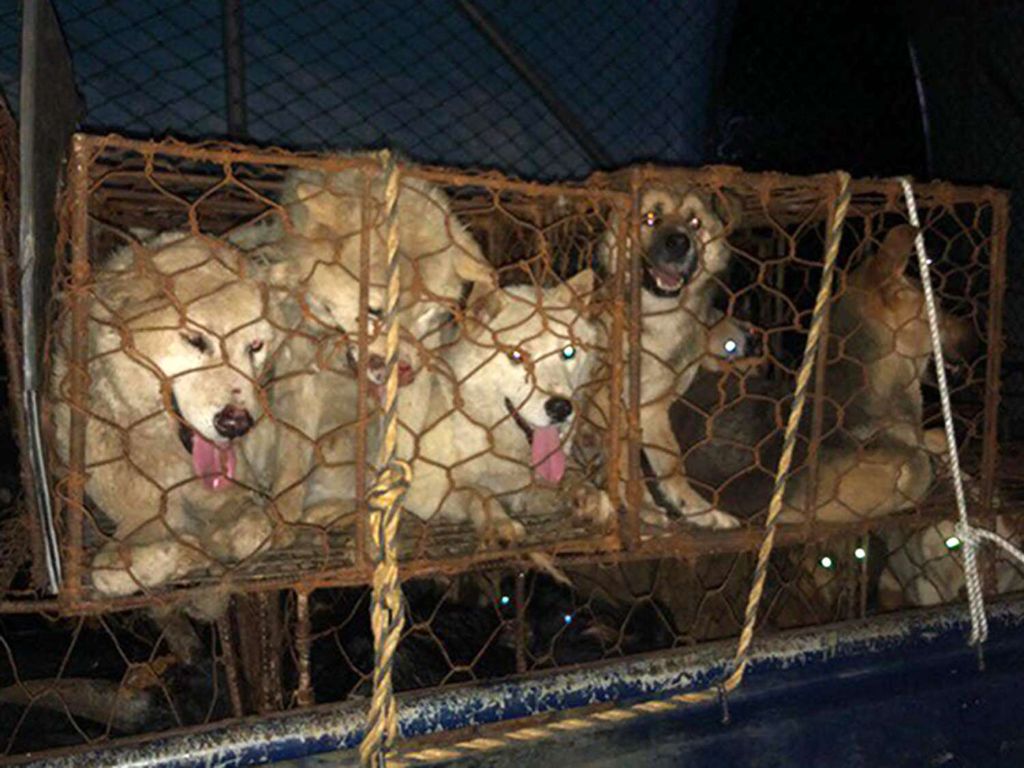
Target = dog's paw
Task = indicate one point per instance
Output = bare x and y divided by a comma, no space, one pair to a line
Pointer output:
118,571
592,508
714,520
654,517
502,532
247,536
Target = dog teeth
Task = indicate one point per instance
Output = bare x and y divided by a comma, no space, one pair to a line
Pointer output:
666,286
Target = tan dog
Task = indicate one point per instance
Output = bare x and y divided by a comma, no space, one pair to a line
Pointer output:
880,460
178,340
684,249
314,254
923,567
502,406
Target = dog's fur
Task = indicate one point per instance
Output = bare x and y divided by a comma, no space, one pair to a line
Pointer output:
922,568
726,422
875,458
879,459
315,252
177,332
522,348
684,251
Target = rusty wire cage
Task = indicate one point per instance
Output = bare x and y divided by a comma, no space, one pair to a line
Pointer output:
162,240
222,201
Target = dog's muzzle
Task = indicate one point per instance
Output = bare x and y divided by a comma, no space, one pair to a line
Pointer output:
558,409
672,260
376,369
522,423
232,421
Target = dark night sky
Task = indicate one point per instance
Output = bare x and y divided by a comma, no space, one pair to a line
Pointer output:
794,85
805,86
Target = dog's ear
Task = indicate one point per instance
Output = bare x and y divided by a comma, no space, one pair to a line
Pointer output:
892,256
727,206
472,268
579,288
744,306
316,200
483,305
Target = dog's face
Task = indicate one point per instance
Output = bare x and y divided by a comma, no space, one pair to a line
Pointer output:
216,360
682,239
203,329
212,357
438,259
533,350
733,344
895,305
331,294
544,346
420,335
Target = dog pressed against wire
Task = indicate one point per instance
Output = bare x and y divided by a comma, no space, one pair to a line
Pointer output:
178,341
683,251
274,294
315,251
501,414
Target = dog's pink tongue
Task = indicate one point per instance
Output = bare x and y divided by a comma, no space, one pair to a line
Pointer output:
215,465
548,456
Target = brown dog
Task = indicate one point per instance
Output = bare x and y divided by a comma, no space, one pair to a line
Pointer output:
875,458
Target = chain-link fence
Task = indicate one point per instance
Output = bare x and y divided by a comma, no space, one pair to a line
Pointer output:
601,364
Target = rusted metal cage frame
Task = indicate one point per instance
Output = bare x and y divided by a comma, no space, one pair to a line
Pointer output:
84,150
886,194
874,193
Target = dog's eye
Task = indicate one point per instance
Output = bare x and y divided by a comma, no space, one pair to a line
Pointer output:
255,347
827,562
568,352
651,219
730,346
196,340
516,356
860,553
953,543
694,223
375,312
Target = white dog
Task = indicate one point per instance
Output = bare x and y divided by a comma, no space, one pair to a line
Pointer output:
314,255
502,407
178,340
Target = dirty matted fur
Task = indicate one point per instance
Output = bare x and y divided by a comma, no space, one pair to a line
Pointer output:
178,331
315,254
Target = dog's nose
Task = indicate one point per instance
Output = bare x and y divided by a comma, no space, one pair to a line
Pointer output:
376,367
558,408
677,245
232,421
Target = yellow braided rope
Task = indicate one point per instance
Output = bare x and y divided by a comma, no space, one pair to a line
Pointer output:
742,656
384,501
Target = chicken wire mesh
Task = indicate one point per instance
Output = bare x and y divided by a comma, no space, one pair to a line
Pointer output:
645,579
312,77
259,272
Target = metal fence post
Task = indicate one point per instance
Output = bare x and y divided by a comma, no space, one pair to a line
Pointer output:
234,69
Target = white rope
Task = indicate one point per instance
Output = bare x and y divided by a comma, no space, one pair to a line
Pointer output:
975,598
977,535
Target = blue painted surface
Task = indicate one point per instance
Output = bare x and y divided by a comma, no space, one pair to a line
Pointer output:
892,692
908,706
